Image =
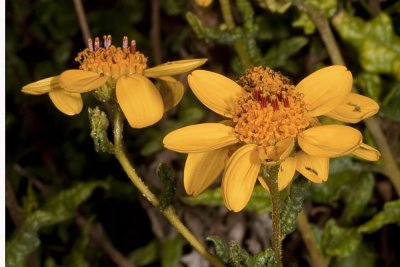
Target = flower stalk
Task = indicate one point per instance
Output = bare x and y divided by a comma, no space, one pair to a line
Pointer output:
169,212
270,176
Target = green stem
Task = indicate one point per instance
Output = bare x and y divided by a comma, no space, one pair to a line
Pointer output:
270,175
230,24
389,163
317,260
169,212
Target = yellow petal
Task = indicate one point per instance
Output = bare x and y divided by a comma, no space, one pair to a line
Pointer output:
140,100
171,91
356,108
367,152
81,81
277,152
42,86
215,91
315,169
240,176
325,89
285,175
200,138
202,169
286,172
174,67
67,102
329,141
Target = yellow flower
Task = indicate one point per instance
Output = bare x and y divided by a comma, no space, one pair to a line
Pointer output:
271,122
123,69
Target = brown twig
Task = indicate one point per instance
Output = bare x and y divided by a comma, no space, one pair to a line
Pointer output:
16,214
317,259
80,12
14,209
155,31
98,235
36,183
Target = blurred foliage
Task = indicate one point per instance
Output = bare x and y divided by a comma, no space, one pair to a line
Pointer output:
58,209
235,256
260,200
53,168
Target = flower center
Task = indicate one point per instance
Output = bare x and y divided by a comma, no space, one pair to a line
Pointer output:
270,110
104,58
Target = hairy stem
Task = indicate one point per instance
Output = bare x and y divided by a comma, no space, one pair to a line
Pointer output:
389,163
169,212
230,23
270,175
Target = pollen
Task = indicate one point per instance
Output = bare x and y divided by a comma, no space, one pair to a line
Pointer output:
103,57
270,110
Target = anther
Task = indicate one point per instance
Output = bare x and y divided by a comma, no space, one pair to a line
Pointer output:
90,45
286,102
107,41
263,102
256,95
133,47
274,103
104,41
96,43
125,42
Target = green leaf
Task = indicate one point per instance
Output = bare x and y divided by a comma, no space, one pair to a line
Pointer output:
171,251
239,257
370,83
221,249
389,214
277,56
339,241
260,200
279,6
390,107
325,7
62,207
50,262
304,21
236,256
377,44
26,239
99,124
222,36
362,256
293,205
247,12
167,176
352,186
357,199
77,255
147,254
265,258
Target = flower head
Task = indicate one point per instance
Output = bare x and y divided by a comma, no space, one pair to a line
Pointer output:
106,69
273,122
